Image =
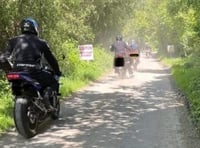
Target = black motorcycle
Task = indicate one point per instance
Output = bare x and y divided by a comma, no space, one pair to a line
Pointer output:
29,108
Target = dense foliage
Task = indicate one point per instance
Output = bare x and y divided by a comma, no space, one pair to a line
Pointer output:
83,21
160,23
167,22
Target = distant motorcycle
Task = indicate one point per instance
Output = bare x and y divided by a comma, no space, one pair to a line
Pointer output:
134,55
29,109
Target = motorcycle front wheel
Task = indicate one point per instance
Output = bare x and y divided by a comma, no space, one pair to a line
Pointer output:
25,118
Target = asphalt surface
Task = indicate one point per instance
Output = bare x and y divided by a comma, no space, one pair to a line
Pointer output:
143,111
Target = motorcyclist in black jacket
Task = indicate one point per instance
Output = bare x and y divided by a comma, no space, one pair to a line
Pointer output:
27,51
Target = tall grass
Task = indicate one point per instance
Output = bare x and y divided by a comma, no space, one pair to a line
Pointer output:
79,73
186,72
6,106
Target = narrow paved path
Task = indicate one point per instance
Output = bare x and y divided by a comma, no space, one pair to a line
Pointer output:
143,111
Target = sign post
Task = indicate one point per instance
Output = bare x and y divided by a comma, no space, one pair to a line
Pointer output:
86,52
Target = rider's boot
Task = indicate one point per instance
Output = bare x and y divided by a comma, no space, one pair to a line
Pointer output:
47,95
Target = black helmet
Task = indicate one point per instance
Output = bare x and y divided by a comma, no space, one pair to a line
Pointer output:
119,38
29,25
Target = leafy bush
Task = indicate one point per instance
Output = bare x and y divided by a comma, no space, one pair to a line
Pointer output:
78,73
186,73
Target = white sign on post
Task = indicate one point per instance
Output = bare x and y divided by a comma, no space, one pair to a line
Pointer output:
86,52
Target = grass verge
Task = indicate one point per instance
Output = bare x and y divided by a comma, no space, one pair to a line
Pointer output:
186,73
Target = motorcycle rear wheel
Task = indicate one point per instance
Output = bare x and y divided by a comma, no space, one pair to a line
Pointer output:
25,118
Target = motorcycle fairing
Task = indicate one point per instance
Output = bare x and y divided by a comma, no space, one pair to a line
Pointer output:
23,76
